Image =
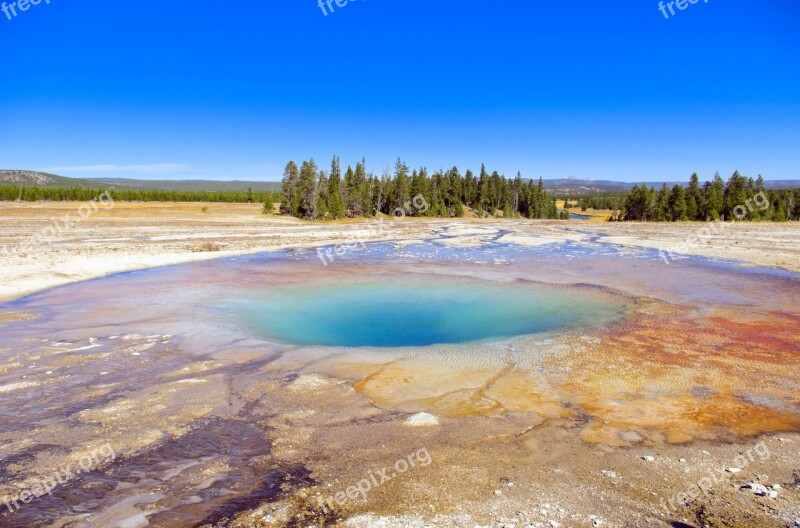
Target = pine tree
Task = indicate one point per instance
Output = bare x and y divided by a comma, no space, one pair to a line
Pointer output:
677,204
320,208
662,207
269,203
307,189
693,199
291,191
401,186
365,184
735,195
483,191
334,202
715,198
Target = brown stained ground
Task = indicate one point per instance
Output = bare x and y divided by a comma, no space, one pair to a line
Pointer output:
661,375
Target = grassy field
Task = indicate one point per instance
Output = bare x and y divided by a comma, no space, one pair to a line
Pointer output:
597,215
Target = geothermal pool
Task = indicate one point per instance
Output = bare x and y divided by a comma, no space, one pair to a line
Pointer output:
412,313
227,384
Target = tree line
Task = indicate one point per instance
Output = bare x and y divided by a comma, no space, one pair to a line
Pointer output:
308,192
315,194
741,198
81,194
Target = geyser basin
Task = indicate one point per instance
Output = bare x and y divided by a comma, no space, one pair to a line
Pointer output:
415,313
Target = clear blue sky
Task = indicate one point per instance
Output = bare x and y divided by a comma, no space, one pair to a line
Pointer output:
233,90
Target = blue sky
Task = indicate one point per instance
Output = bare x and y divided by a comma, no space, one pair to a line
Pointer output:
233,90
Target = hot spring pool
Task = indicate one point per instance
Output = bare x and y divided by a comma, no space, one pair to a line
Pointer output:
418,313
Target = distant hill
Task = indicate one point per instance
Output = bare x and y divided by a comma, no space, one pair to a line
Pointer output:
25,178
41,179
575,186
554,186
188,185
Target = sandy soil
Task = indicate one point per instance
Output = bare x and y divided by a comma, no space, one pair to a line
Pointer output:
143,235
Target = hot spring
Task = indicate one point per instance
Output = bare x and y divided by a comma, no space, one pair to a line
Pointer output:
412,313
227,384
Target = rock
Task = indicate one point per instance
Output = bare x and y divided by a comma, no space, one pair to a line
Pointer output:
681,460
758,489
733,470
422,420
775,486
498,492
649,458
597,522
797,523
772,494
631,436
554,524
609,474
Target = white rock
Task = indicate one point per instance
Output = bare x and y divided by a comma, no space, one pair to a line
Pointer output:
758,489
422,420
609,474
733,470
772,494
775,486
649,458
681,460
554,524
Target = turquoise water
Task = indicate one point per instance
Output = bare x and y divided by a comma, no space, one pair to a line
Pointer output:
416,314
